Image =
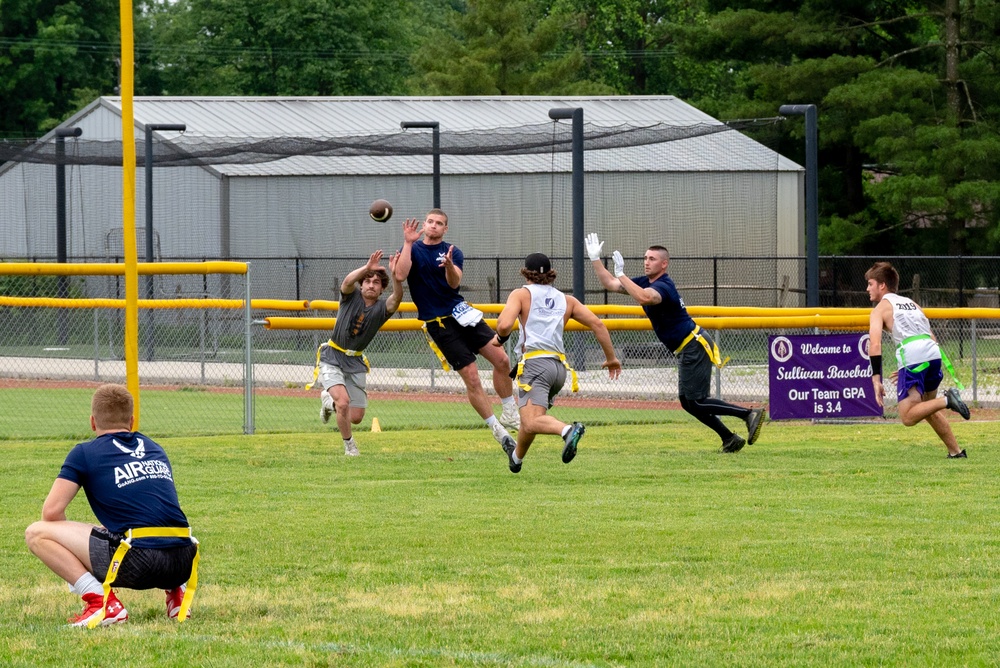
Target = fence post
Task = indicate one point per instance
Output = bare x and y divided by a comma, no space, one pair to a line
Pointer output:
248,417
975,385
715,281
718,370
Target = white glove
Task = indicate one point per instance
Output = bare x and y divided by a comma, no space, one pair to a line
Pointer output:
619,264
593,246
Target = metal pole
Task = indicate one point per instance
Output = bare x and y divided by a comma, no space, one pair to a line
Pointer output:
435,126
150,129
576,114
248,416
579,286
62,284
975,363
812,197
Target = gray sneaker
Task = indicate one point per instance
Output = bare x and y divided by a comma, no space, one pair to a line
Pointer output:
351,448
754,422
955,403
499,433
734,443
509,446
571,440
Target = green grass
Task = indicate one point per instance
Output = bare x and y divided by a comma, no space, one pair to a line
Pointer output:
193,411
821,545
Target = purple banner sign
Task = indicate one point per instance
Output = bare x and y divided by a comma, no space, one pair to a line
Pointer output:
820,377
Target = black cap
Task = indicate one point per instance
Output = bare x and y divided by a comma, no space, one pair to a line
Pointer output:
538,262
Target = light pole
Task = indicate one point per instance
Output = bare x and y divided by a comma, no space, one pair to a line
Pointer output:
62,282
812,197
150,129
436,151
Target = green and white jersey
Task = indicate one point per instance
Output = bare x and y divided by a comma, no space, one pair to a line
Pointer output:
911,332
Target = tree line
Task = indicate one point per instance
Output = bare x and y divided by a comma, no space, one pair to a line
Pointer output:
908,91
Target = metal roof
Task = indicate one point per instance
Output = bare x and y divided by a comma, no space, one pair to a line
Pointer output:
322,117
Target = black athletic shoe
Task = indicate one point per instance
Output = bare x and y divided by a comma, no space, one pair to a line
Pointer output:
734,443
960,455
955,403
509,446
754,422
572,438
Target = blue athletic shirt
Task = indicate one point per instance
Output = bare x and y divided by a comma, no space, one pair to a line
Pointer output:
129,484
429,287
670,318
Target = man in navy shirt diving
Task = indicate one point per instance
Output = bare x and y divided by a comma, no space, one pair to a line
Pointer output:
696,352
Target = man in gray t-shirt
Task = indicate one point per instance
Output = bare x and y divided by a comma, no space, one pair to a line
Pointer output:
342,365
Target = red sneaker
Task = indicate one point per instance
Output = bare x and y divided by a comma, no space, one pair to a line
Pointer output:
115,612
174,598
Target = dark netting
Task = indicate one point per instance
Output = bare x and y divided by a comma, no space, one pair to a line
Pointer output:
190,150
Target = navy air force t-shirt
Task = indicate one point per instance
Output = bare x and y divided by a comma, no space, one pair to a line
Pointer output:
129,484
428,283
669,318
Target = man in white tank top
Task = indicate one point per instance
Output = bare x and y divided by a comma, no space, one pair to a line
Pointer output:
543,311
917,354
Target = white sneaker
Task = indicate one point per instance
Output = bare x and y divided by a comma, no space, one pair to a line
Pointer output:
351,448
327,409
510,418
500,433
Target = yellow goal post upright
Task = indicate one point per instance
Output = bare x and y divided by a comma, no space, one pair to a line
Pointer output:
132,335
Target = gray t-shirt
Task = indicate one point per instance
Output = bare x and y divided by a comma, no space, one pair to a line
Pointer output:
356,326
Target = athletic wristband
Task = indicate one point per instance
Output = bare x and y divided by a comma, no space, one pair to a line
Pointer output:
876,361
502,339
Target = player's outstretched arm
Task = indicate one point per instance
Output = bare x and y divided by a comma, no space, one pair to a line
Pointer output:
412,229
583,315
594,246
350,281
393,301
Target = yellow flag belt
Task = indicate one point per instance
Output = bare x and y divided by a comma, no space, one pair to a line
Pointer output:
123,548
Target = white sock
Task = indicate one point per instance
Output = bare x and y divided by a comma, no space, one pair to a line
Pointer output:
566,430
516,459
508,402
88,584
491,420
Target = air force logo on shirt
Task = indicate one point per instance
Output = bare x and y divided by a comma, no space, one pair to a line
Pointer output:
138,453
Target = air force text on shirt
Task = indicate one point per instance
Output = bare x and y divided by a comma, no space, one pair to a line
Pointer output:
137,471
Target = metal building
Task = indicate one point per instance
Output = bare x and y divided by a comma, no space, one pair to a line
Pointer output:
721,194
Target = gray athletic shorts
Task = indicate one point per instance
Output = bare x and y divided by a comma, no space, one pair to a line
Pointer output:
330,375
546,376
142,567
694,370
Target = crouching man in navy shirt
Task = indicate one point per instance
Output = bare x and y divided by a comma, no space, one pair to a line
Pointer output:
129,483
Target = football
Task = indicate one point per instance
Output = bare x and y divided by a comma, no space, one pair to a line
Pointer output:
380,210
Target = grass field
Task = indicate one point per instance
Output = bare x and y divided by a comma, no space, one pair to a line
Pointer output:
821,545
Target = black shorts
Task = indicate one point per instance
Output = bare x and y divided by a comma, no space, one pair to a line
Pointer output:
460,345
142,567
694,370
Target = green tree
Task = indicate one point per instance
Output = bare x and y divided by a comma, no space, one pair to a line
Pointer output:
901,87
277,47
501,47
54,57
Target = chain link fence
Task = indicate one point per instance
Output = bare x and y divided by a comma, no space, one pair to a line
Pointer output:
193,361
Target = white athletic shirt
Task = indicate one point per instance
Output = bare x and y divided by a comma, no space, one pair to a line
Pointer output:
908,320
544,328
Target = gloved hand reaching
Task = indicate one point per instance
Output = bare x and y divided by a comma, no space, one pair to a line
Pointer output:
593,246
619,264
